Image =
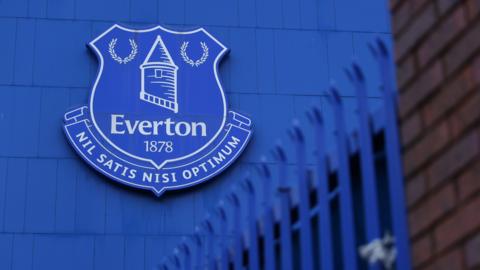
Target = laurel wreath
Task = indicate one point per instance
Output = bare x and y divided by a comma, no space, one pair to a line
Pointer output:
120,60
198,62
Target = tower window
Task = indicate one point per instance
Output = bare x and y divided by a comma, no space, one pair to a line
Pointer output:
158,73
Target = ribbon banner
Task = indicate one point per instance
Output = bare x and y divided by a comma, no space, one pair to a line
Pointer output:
207,164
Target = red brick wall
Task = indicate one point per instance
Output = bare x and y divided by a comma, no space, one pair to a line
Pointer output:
438,70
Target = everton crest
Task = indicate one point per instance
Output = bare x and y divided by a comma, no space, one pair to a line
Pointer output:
157,116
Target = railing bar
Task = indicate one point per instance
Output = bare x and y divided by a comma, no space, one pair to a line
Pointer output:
268,237
394,161
236,231
349,243
224,256
306,253
253,256
323,195
285,211
210,258
369,180
199,250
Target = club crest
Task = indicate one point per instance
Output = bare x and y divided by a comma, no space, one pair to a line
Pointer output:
157,116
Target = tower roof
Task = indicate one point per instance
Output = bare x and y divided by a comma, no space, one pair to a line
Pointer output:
159,54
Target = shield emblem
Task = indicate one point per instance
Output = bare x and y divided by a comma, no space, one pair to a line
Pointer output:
153,87
157,115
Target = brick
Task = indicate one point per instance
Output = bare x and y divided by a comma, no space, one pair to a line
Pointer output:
417,5
441,36
417,28
446,5
421,250
448,97
416,189
411,128
472,252
426,148
458,156
463,49
450,261
394,5
405,71
469,181
463,222
401,17
421,89
476,71
467,115
430,211
473,9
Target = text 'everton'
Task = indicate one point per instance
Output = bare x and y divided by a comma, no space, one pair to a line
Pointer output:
120,125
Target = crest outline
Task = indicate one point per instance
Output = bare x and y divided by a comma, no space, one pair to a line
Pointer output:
101,67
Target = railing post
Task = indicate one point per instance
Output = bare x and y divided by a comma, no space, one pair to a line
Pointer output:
323,198
394,157
236,231
197,239
187,261
176,259
210,257
304,199
369,180
253,256
164,265
222,215
285,210
268,219
346,202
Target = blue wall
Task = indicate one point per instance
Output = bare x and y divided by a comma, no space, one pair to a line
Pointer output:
56,212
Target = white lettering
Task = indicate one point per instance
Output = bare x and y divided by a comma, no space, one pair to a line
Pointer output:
147,128
81,137
147,177
187,174
234,142
143,125
114,125
101,158
168,125
178,129
219,158
203,128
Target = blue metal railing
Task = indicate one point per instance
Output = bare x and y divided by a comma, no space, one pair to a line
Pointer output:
344,213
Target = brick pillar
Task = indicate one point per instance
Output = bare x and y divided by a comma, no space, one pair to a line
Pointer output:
437,47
